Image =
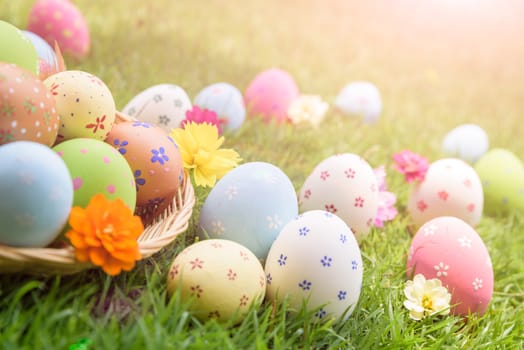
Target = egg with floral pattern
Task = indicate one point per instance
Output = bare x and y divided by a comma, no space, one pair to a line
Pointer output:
226,101
345,185
270,93
249,205
27,108
221,279
84,103
61,21
36,194
451,187
164,105
316,260
155,161
96,167
449,249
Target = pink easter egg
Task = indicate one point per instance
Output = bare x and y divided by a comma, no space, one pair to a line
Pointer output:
270,94
60,21
451,187
449,249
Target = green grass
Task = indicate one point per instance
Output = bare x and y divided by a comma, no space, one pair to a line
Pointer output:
436,65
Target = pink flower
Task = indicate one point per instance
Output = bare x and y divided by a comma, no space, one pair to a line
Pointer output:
412,165
200,116
386,208
386,200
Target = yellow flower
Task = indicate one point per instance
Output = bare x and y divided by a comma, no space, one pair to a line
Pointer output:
105,233
307,108
426,297
199,146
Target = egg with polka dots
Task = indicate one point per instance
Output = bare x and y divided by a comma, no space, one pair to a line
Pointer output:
449,249
61,21
96,167
27,108
36,194
221,279
84,103
316,260
345,185
164,105
451,187
155,161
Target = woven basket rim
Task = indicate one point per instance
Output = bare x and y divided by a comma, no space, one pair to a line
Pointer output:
163,231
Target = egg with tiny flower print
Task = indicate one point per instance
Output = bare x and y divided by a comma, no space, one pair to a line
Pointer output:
155,161
345,185
226,101
249,205
164,105
449,249
84,103
451,187
220,279
316,260
27,108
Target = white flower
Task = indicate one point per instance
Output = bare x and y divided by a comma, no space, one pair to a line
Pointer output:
477,284
430,230
464,242
217,227
426,297
307,108
231,192
273,222
442,270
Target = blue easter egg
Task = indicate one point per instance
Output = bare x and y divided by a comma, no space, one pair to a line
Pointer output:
36,194
249,205
226,101
43,50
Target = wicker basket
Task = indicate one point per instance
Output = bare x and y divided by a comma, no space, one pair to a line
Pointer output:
160,233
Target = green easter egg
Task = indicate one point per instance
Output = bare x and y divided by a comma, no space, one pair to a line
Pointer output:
16,48
96,167
502,176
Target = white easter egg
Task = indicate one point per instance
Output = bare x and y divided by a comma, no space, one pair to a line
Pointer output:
164,105
226,101
221,278
345,185
249,206
360,98
450,188
467,142
316,259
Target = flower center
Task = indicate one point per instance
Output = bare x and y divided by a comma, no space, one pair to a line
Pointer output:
109,229
427,302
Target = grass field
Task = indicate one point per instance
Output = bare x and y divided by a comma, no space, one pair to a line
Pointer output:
437,63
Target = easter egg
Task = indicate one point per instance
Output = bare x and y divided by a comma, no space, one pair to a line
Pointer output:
27,109
270,93
164,105
84,103
48,62
226,101
449,249
155,161
36,192
249,205
96,167
16,48
502,175
345,185
467,142
360,98
316,259
221,278
450,188
60,21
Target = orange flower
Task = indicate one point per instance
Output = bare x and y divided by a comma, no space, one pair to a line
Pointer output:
105,233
